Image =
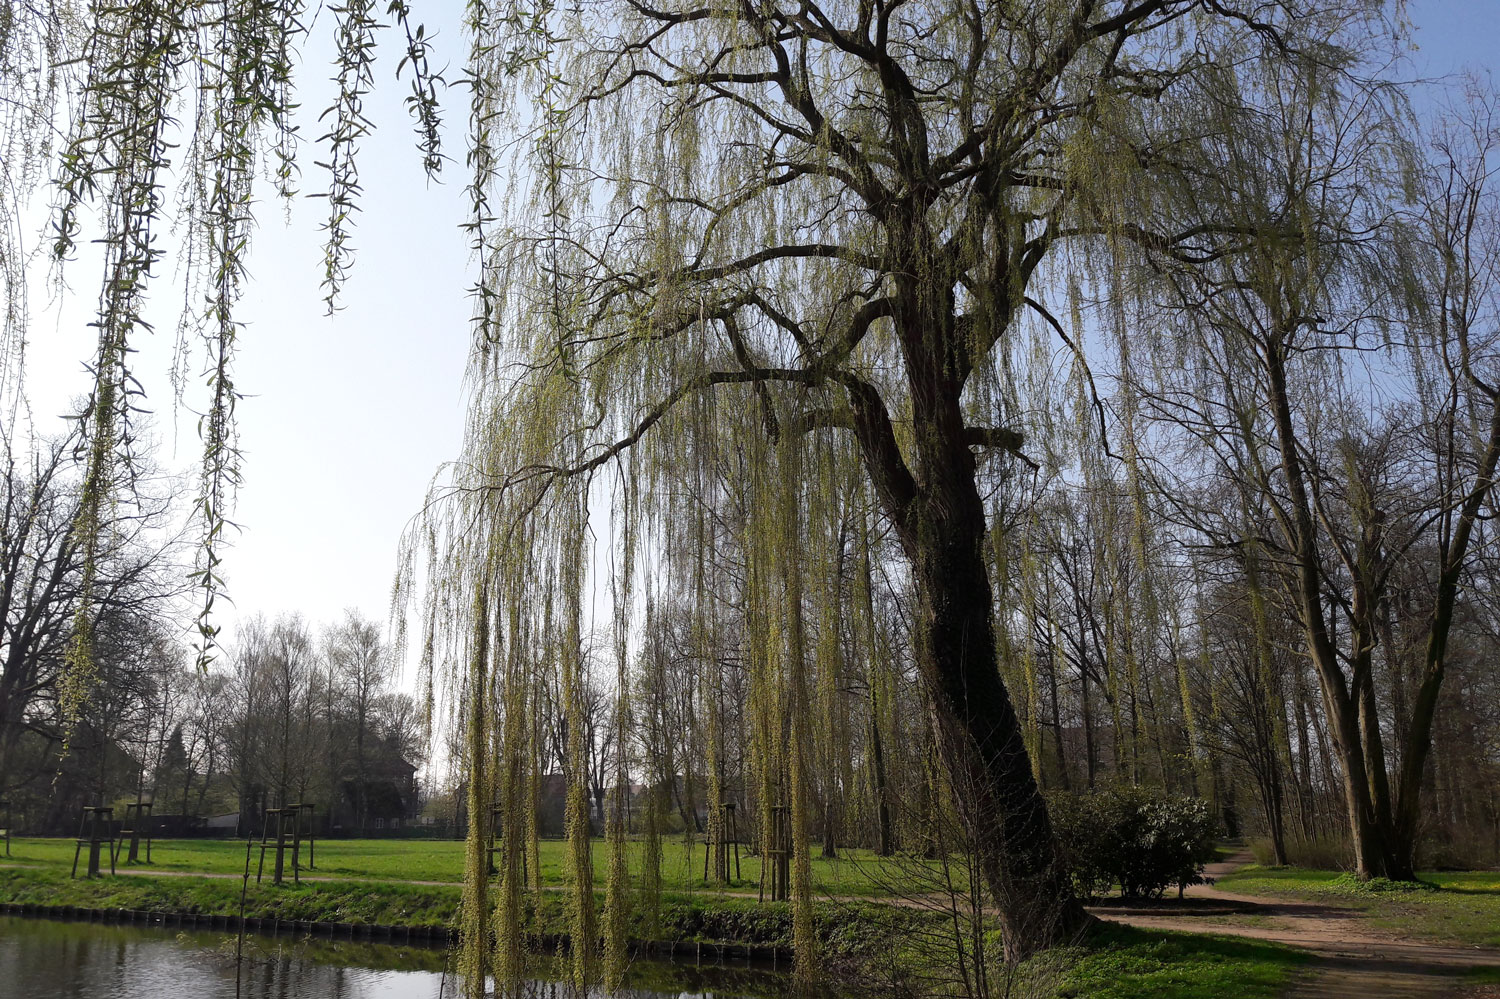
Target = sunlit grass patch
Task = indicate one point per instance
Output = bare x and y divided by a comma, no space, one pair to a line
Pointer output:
1125,963
854,872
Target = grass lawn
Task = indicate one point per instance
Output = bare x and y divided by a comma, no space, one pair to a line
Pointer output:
1462,907
855,872
1125,963
345,902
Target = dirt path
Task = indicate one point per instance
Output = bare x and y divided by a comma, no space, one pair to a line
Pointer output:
1349,960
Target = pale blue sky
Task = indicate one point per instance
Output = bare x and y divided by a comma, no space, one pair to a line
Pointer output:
1453,35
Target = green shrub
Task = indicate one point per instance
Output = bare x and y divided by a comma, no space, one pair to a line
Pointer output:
1323,853
1457,853
1316,854
1144,842
1320,853
1263,851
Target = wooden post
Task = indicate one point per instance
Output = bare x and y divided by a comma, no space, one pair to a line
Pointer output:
279,818
96,831
280,845
265,829
718,850
777,854
311,809
296,811
5,811
734,838
137,820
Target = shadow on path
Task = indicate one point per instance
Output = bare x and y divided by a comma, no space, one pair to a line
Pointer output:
1348,960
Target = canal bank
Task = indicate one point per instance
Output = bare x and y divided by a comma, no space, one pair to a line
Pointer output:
853,936
697,951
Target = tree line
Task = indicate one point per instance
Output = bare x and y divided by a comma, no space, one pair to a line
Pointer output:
313,716
294,713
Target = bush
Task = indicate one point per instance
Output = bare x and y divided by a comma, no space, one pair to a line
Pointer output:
1143,842
1326,853
1457,853
1263,851
1321,853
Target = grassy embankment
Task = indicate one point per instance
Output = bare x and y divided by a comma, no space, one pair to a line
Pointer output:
874,941
1459,907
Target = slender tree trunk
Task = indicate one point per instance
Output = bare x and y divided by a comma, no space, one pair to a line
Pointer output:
884,845
1340,703
1305,799
1326,766
1090,754
1272,796
1435,657
1057,732
359,768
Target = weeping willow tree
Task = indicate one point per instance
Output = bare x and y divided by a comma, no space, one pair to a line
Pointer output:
837,221
132,118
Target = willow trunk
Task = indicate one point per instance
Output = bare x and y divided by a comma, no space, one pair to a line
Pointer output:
982,743
940,523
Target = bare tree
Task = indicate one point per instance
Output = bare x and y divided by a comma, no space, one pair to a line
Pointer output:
361,668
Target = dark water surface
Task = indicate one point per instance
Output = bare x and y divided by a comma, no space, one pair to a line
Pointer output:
48,959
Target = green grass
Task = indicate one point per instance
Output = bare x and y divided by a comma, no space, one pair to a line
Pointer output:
1125,963
862,940
1462,907
1118,963
330,902
854,873
1111,962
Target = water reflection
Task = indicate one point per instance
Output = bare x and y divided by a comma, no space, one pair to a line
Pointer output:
45,959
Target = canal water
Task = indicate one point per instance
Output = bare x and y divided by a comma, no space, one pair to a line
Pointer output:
49,959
